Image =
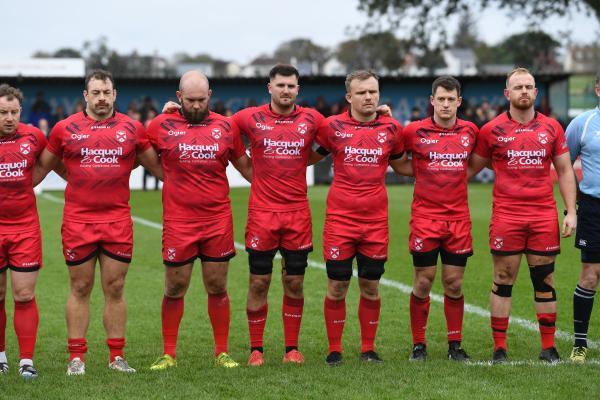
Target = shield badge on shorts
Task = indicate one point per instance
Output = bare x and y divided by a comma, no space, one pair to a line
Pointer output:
216,133
418,244
334,252
498,242
302,128
171,252
464,140
254,242
25,148
381,137
543,137
121,136
70,254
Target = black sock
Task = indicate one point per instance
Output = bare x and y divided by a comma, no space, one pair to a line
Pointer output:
583,301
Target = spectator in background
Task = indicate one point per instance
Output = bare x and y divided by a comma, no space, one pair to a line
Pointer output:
44,126
58,115
39,109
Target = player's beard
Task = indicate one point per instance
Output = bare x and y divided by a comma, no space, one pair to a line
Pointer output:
103,112
194,117
522,106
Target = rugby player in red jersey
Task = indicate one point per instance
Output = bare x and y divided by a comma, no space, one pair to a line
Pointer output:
521,145
20,235
362,144
99,147
440,223
195,146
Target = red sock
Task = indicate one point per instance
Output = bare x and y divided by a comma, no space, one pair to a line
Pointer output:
2,326
115,346
419,312
291,312
172,312
547,329
454,309
220,314
335,318
256,325
368,315
499,328
26,320
77,348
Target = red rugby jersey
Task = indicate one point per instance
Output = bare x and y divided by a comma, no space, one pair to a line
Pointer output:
279,146
439,160
361,152
194,158
99,156
521,156
18,155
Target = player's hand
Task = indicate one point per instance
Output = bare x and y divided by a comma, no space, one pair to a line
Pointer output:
385,110
170,107
569,224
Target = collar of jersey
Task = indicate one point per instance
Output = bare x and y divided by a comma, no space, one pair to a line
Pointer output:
377,115
85,114
443,128
281,115
535,115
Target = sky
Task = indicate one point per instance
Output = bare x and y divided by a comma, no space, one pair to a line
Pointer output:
227,29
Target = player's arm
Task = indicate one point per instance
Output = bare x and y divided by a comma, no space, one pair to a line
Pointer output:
568,191
384,110
170,107
46,162
402,165
317,155
244,166
149,160
476,164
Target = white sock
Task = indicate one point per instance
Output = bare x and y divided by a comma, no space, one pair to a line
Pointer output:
25,361
3,357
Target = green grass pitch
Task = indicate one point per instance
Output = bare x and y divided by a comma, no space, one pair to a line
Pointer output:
195,376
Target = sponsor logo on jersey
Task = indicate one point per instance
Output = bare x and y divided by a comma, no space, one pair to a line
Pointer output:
264,127
362,156
521,130
498,242
525,157
121,136
543,137
94,127
198,151
447,160
79,136
343,135
505,139
25,148
216,133
334,252
283,147
13,169
429,141
171,253
176,133
109,157
284,121
381,137
582,242
302,128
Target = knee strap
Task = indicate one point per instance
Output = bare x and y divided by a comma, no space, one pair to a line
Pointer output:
502,290
261,262
369,268
544,293
339,270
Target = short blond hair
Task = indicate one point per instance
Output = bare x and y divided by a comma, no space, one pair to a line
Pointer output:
361,75
518,70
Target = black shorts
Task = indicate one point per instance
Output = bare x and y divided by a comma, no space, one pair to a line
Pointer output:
587,236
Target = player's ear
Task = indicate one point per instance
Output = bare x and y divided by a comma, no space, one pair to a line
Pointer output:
506,94
269,87
114,94
209,93
459,101
431,100
348,97
178,94
85,95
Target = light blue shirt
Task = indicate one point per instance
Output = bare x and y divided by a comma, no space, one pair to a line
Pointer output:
583,139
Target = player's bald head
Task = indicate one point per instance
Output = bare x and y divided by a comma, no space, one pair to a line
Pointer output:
193,80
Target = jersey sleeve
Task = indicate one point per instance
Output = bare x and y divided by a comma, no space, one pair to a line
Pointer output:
560,144
237,145
482,148
55,142
407,135
573,138
239,118
143,143
322,138
398,147
41,141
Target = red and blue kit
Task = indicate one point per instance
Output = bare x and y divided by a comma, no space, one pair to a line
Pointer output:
196,206
99,157
524,217
20,236
280,146
361,152
440,210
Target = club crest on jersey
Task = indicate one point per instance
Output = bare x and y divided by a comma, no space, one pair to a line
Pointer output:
498,242
418,244
465,141
171,253
254,242
381,137
302,128
121,136
334,252
543,137
216,133
25,148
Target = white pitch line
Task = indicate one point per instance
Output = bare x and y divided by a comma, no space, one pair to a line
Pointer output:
469,308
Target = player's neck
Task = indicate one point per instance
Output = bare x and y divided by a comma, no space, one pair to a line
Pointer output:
444,123
277,109
363,117
522,116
